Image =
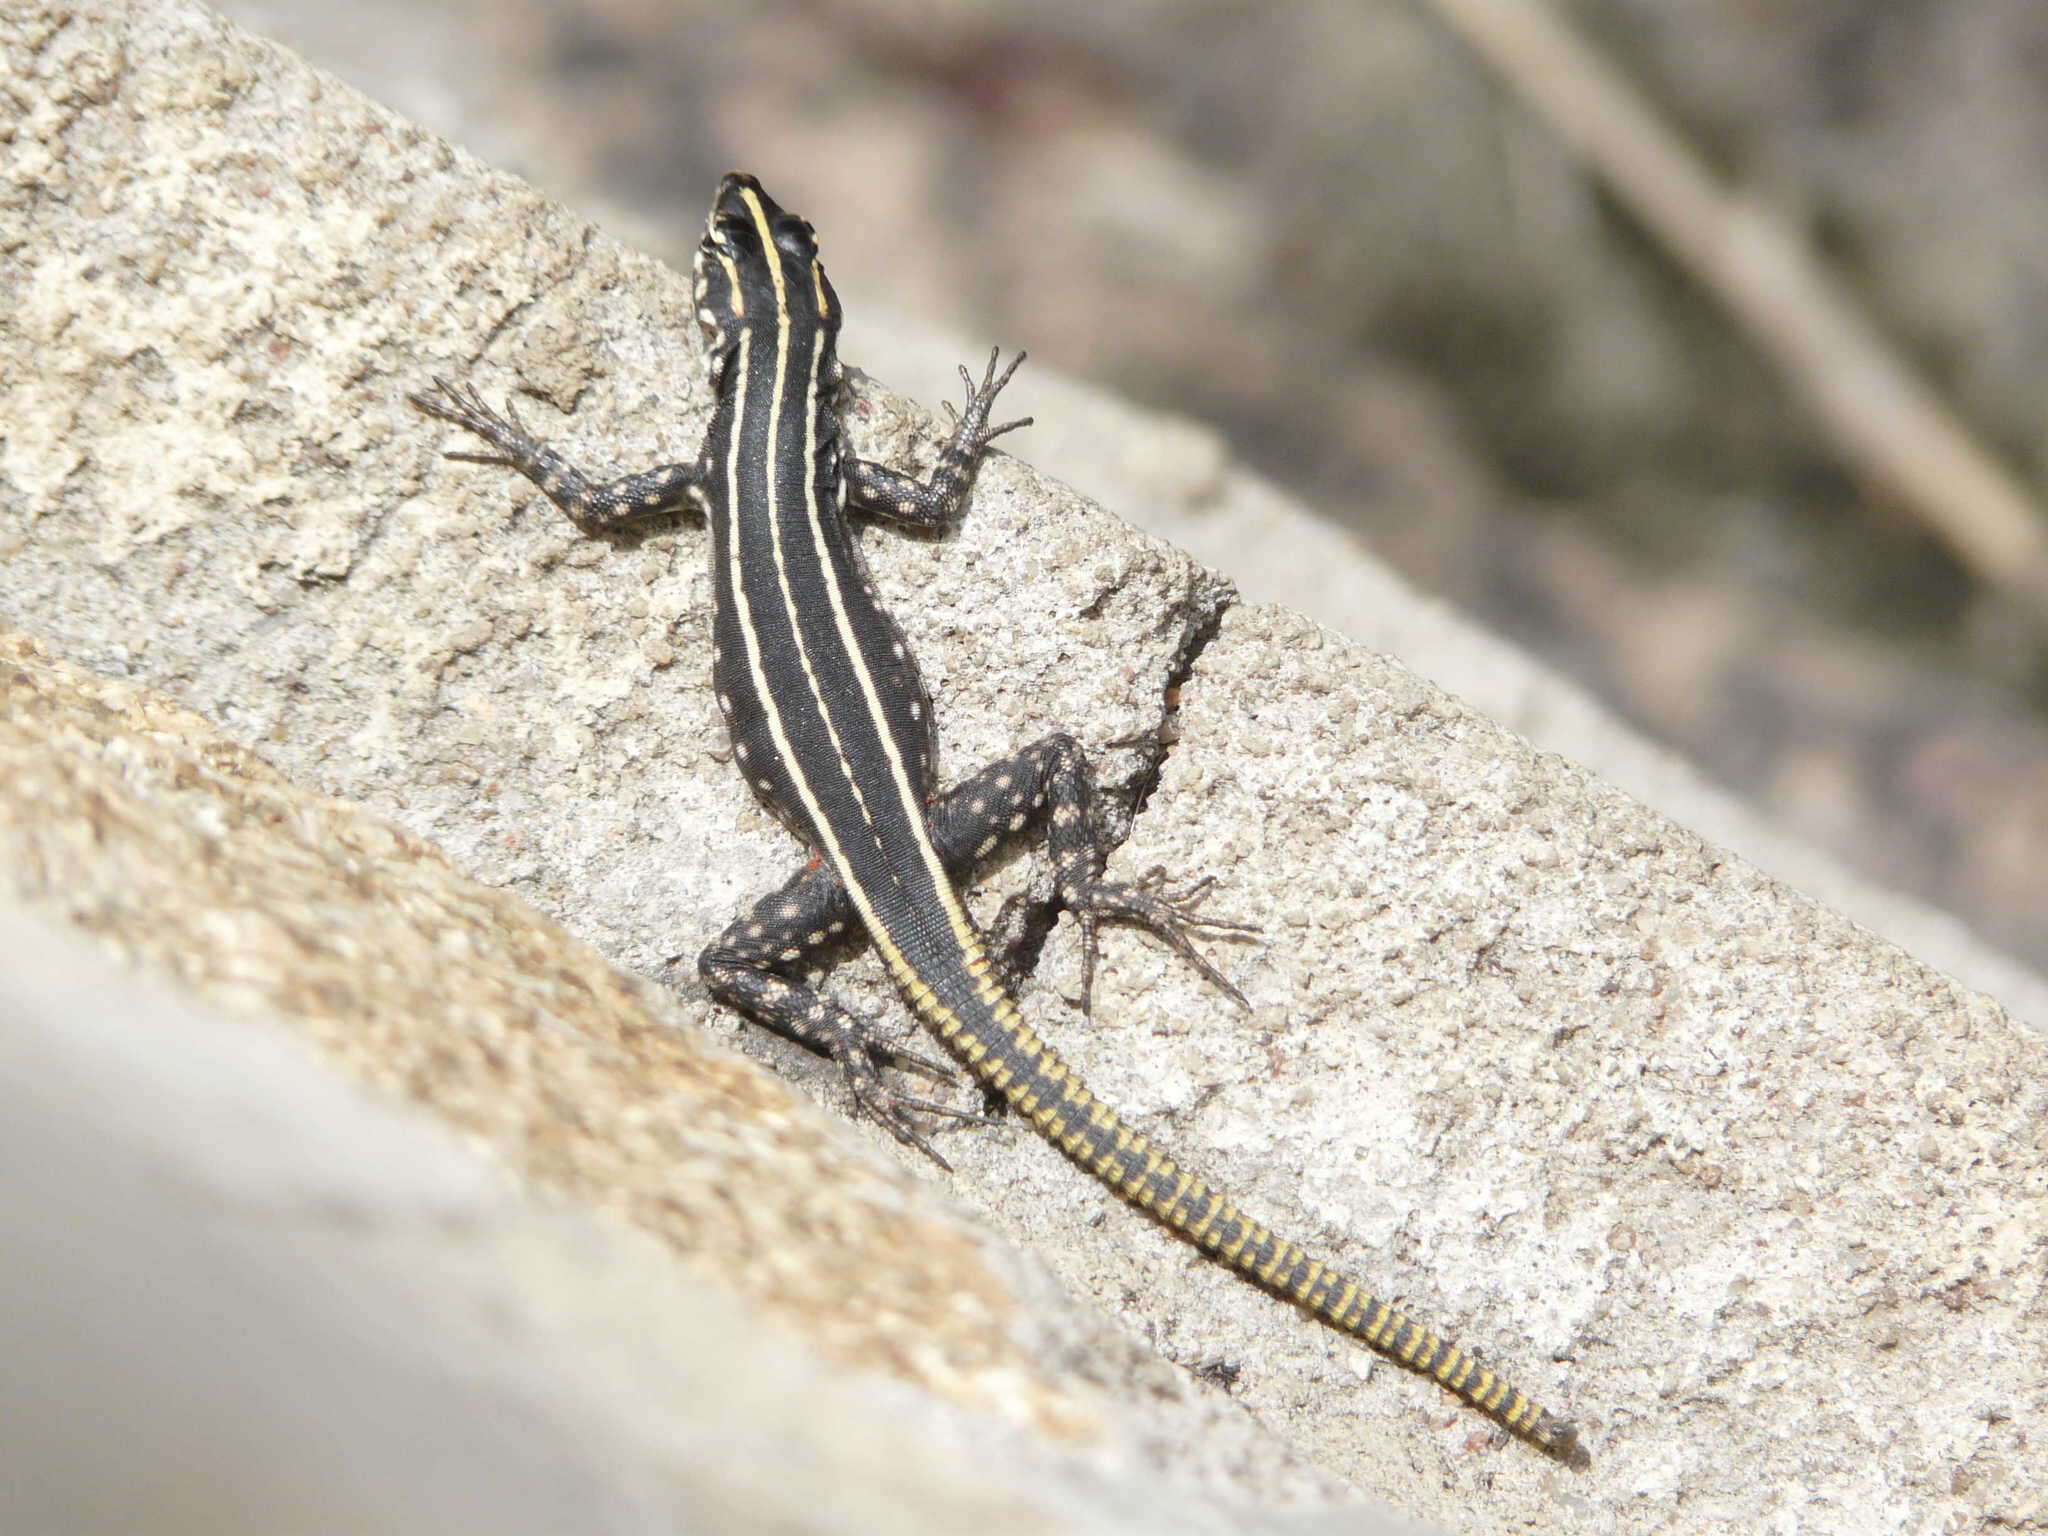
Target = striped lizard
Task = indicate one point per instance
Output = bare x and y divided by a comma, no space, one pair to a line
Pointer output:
831,723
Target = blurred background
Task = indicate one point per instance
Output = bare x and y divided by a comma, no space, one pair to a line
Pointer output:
1377,266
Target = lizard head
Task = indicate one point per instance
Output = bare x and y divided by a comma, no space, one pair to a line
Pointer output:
758,265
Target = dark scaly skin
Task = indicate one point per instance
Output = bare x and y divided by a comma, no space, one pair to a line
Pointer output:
832,726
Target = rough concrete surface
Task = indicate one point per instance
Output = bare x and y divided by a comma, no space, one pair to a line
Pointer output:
1754,1196
1177,479
244,1298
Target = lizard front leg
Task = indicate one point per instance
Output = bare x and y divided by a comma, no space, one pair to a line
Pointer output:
594,506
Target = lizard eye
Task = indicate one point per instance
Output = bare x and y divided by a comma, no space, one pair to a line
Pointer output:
795,237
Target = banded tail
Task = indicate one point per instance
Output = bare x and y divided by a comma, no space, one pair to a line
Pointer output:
1003,1051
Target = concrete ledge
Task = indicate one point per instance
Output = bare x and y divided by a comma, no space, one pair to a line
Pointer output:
599,1275
1752,1194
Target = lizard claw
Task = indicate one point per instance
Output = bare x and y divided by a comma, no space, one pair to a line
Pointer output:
972,424
460,405
1170,915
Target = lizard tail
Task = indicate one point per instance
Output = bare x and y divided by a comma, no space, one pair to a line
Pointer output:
1007,1054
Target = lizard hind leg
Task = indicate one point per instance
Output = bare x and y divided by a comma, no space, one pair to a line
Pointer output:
757,967
1050,782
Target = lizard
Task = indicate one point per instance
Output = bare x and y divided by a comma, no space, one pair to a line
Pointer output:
830,721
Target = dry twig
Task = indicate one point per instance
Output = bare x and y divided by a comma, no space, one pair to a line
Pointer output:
1886,420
